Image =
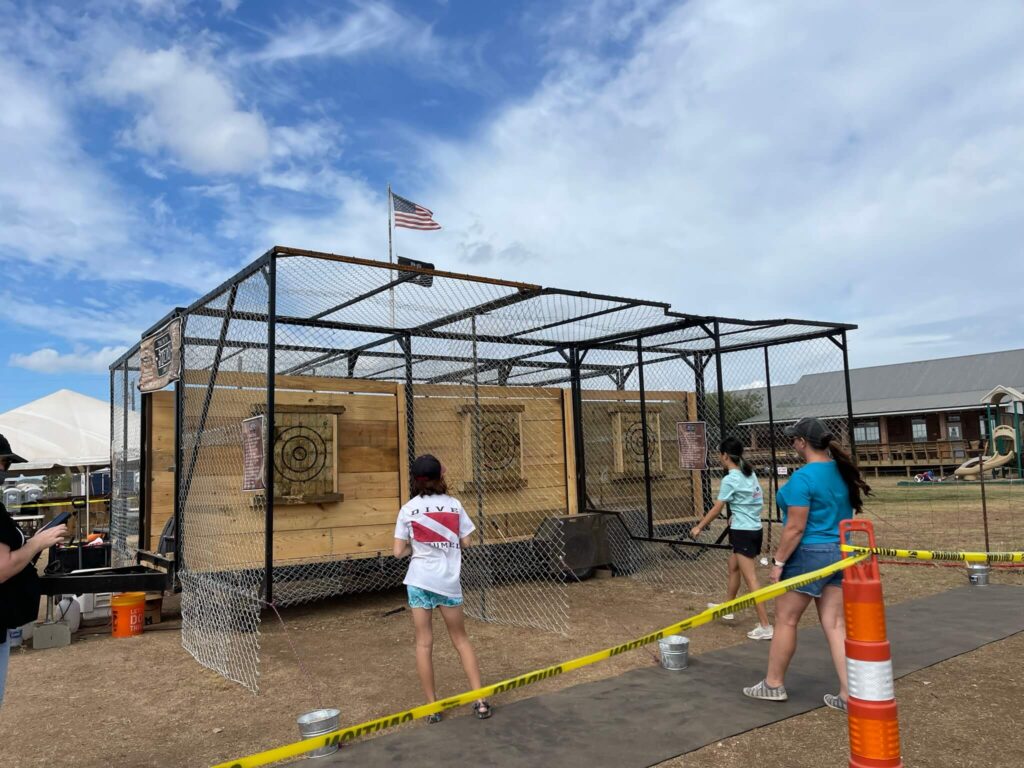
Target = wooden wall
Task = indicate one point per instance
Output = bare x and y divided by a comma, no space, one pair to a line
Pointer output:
615,482
510,510
159,465
226,526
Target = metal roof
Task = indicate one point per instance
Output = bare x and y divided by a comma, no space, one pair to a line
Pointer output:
945,384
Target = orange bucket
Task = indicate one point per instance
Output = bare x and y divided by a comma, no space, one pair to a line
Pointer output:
128,610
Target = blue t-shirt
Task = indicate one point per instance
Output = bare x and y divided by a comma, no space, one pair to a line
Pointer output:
820,488
745,500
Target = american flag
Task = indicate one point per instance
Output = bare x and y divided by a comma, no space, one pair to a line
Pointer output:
412,216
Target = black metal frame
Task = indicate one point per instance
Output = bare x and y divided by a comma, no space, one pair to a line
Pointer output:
695,339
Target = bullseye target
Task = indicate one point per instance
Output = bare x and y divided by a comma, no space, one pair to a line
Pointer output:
300,454
499,446
634,441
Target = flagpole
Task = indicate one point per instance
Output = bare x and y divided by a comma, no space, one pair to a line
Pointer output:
391,208
391,255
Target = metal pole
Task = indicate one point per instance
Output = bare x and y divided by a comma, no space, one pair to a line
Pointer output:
410,409
773,480
1017,447
268,451
643,432
700,365
721,393
849,399
478,480
984,503
578,431
178,403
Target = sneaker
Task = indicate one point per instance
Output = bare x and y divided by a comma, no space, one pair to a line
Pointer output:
835,702
764,691
761,632
724,616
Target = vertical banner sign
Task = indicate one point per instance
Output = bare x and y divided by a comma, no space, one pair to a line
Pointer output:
253,476
692,437
160,357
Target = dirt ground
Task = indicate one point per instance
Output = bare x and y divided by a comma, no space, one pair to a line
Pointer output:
145,702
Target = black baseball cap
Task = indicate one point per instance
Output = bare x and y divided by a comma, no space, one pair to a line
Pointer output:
812,430
8,454
426,466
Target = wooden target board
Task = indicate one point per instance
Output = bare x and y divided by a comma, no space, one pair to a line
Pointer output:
305,455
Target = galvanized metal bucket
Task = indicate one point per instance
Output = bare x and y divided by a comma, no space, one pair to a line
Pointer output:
675,652
317,723
978,574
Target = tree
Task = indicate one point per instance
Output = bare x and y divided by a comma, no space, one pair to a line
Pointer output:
739,407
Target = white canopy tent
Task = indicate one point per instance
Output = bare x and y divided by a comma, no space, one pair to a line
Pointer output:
59,432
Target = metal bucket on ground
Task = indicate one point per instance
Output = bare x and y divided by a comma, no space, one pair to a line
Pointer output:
978,573
317,723
675,652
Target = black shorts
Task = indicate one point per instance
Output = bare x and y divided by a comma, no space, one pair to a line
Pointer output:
746,543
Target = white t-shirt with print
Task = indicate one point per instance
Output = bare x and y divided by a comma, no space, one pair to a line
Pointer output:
434,525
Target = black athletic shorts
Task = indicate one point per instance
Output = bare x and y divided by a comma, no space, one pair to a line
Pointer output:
746,543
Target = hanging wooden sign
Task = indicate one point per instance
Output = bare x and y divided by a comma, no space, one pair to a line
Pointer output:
160,357
692,437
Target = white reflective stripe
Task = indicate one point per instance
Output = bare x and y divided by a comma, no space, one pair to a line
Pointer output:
870,680
441,530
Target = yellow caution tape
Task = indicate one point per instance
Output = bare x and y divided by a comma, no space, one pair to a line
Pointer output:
33,504
929,554
372,726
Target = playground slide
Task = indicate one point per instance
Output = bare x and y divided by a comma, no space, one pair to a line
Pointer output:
971,468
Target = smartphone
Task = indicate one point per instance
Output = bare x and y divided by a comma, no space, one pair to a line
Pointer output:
58,520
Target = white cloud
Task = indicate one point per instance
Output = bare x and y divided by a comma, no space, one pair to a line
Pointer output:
104,322
372,26
755,161
189,110
55,202
80,360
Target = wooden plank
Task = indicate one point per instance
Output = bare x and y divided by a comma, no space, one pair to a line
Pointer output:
235,404
402,417
311,383
485,390
369,485
368,458
569,452
376,433
633,395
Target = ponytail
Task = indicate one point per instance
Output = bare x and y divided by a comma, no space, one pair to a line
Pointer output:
733,448
855,483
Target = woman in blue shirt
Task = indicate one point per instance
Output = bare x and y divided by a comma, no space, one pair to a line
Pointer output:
826,490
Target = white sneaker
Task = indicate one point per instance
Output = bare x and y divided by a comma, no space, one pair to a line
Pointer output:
761,632
724,616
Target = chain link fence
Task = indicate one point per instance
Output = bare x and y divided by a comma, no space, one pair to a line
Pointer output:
125,460
567,423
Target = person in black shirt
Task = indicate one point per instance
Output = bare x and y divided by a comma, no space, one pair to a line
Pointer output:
16,557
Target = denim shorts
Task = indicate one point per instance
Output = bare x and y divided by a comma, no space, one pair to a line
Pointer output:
423,598
811,557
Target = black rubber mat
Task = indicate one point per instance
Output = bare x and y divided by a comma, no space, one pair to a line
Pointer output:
649,715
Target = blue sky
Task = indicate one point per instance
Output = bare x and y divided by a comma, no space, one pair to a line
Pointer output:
750,159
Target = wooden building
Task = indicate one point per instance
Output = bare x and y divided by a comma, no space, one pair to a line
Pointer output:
908,417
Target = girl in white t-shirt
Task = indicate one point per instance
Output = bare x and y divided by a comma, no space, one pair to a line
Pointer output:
433,527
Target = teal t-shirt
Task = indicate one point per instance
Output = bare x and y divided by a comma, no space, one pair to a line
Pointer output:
821,489
745,498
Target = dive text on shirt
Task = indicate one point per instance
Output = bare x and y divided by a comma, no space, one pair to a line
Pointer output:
434,525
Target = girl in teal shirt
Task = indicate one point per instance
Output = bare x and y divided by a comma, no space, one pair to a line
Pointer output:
742,492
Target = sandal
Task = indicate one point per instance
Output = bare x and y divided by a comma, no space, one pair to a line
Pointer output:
483,709
435,718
